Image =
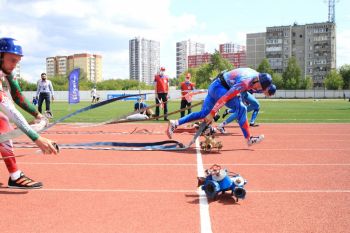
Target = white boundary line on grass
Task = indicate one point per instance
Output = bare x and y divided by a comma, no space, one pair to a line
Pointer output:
203,201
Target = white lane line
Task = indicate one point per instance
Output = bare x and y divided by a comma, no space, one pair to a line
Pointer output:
203,201
189,164
326,191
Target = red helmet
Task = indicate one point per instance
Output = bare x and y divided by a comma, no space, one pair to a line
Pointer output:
162,68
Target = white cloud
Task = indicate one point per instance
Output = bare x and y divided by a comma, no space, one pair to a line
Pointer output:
62,27
343,47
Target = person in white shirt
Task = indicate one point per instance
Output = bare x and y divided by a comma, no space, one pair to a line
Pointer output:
94,95
44,90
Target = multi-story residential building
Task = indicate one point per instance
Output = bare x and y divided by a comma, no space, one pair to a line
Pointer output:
313,45
231,48
255,49
320,51
90,65
197,60
184,49
144,59
234,53
236,56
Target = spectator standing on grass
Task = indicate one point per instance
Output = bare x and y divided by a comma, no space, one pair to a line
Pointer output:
45,93
10,56
94,95
161,88
186,87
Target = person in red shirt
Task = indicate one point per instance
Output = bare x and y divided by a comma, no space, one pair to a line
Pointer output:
186,88
161,82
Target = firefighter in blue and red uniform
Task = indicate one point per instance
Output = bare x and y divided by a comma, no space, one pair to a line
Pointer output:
161,82
186,87
225,90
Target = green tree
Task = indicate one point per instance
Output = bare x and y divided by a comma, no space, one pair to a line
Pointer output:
307,83
218,63
333,80
345,73
206,72
292,75
277,80
265,67
26,86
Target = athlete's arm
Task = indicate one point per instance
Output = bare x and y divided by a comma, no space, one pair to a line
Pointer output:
233,92
7,107
19,98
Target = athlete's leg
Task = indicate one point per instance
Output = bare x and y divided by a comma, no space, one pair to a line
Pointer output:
254,106
215,92
6,148
232,117
241,110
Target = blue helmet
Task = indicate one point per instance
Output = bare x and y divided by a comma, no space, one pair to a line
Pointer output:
7,45
265,80
272,89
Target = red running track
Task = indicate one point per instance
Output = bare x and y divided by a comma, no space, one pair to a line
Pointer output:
298,181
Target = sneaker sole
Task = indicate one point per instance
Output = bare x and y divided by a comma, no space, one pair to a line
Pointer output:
262,137
15,187
168,133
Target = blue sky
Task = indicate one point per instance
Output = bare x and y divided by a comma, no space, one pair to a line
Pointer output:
62,27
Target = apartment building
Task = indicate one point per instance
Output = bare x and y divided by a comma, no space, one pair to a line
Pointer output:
184,49
313,45
197,60
255,43
144,59
234,53
90,65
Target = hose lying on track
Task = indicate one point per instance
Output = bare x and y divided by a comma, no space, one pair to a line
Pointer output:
17,132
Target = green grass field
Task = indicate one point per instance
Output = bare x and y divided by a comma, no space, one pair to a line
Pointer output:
272,111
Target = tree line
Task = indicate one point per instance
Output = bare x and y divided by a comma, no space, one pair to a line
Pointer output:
290,79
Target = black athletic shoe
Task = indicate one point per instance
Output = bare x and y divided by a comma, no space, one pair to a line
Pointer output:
225,113
48,114
24,182
253,125
216,117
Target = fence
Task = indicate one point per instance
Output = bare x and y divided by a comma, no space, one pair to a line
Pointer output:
176,94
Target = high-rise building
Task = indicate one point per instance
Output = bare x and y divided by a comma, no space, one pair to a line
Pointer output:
197,60
144,59
90,65
231,48
234,53
255,49
184,49
313,45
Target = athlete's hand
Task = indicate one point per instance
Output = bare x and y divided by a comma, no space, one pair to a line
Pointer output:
53,98
46,146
